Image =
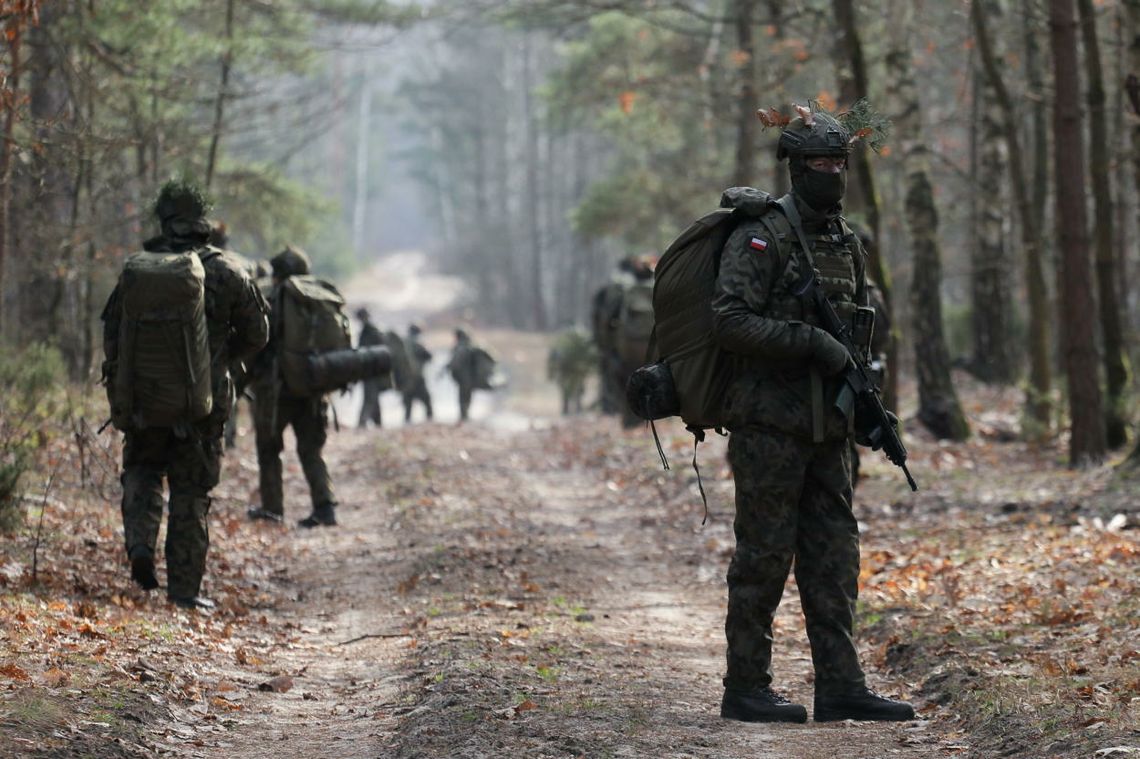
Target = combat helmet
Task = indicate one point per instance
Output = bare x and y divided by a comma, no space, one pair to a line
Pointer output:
819,134
290,262
181,208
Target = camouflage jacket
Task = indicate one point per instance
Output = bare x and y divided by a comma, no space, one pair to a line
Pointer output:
759,318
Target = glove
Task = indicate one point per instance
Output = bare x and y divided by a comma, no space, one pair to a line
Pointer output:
827,353
869,433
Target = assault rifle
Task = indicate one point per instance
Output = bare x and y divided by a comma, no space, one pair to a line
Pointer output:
858,377
879,424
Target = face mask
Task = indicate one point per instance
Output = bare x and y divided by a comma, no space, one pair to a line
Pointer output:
819,189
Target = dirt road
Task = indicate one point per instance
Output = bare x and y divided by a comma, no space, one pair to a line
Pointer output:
518,593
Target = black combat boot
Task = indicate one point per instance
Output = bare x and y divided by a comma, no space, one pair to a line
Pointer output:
862,704
269,516
142,568
198,603
760,705
322,515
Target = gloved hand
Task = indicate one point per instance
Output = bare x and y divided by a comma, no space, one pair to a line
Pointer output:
869,433
827,353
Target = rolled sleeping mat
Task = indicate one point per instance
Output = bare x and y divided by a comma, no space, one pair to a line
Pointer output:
339,369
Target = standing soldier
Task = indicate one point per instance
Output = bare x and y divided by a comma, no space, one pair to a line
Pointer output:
471,367
172,404
789,446
414,386
276,408
370,336
571,360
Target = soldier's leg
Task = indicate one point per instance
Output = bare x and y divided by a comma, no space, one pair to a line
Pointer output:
464,401
827,568
268,425
144,465
193,474
425,396
768,470
310,424
409,399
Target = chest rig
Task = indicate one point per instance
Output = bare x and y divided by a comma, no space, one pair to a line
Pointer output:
828,257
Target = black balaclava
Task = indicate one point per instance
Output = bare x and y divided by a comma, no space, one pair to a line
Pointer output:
821,190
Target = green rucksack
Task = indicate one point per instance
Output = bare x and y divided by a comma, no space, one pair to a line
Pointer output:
162,375
691,373
311,321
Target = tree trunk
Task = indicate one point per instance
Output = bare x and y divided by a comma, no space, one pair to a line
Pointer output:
1078,334
538,304
1132,90
223,91
864,198
363,142
13,40
994,356
1112,338
1038,395
744,166
938,407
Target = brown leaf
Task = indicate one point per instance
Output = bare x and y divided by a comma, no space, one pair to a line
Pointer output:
770,117
12,672
279,684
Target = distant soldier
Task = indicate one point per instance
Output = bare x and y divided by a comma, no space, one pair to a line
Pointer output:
633,327
604,313
276,407
572,358
414,387
171,395
370,336
471,368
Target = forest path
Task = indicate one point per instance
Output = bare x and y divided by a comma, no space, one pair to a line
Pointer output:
531,596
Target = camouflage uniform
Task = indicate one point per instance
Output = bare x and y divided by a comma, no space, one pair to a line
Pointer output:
370,405
414,387
789,449
572,358
462,369
190,459
275,409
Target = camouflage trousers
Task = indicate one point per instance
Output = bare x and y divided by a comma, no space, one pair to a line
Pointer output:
309,419
191,468
417,392
465,392
793,507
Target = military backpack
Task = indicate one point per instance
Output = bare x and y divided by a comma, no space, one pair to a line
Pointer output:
162,374
690,373
311,322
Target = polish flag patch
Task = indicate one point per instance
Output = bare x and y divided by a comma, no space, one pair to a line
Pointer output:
758,244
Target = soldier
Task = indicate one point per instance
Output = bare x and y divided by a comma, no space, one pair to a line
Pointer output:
275,408
471,368
414,386
187,453
370,335
789,444
571,359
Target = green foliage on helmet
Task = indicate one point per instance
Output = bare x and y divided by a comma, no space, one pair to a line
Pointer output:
817,132
182,199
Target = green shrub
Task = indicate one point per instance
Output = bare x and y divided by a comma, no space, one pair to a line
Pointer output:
30,384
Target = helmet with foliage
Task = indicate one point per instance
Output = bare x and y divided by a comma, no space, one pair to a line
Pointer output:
821,134
289,262
181,208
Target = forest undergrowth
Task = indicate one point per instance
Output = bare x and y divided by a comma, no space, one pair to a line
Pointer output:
552,592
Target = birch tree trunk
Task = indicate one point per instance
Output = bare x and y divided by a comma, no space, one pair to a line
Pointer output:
744,166
938,407
1078,334
990,280
538,304
1112,338
1038,395
852,75
223,93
